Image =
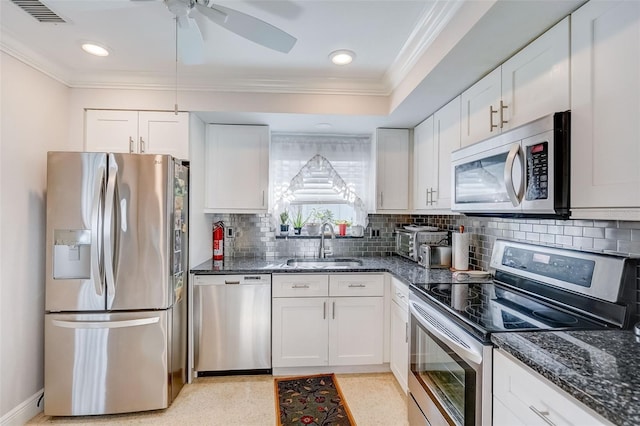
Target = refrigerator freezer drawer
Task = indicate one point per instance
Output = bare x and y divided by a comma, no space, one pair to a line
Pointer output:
107,363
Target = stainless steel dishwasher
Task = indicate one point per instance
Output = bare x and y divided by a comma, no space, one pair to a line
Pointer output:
232,323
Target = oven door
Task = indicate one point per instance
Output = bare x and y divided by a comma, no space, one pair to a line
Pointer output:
450,371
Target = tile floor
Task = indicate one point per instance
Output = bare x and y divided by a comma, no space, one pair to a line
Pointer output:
374,399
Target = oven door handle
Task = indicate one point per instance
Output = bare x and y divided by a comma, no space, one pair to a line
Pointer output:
437,324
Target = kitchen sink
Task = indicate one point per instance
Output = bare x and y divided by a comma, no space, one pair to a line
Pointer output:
323,263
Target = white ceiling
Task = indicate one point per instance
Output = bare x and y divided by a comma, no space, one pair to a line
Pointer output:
419,54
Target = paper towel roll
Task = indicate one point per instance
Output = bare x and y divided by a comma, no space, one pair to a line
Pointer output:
460,251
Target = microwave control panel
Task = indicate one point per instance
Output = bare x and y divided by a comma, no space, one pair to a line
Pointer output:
537,171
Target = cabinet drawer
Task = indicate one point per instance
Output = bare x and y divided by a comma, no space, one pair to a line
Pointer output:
356,285
300,285
533,400
400,293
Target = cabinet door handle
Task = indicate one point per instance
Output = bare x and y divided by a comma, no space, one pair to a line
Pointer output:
263,198
131,142
300,286
502,108
433,191
426,202
333,309
406,332
142,147
324,310
491,112
381,200
357,285
542,414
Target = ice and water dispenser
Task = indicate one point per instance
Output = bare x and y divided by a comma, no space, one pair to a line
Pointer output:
71,254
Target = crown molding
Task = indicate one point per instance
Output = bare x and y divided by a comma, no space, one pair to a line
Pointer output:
429,26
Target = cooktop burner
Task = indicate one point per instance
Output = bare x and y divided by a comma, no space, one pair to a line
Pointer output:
489,307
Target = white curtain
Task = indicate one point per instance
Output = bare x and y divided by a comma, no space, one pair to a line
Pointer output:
349,155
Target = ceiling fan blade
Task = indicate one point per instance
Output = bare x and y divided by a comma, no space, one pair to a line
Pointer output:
247,26
190,42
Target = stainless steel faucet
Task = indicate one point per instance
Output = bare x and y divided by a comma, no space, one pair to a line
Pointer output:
322,253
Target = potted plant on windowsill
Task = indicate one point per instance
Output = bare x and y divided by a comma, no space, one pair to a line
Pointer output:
298,222
342,226
318,218
284,222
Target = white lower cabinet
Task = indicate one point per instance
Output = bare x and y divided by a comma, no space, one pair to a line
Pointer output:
399,339
522,397
321,330
299,332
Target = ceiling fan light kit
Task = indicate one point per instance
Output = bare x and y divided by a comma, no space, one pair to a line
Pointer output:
342,57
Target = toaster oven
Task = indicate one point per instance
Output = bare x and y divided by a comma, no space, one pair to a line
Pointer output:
408,241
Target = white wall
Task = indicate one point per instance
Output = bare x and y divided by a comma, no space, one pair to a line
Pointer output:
199,223
35,119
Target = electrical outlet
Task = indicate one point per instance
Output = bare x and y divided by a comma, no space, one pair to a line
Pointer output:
230,232
374,233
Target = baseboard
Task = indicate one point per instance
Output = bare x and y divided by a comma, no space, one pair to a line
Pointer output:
24,412
298,371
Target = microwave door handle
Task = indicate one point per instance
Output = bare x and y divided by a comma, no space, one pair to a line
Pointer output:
514,196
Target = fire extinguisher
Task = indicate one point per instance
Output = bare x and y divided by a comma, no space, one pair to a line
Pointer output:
218,241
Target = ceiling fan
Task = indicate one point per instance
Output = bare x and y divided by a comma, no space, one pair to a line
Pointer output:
191,42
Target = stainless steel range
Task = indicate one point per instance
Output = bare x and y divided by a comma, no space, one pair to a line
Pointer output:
533,288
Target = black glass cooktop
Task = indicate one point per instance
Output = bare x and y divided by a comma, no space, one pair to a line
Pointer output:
485,308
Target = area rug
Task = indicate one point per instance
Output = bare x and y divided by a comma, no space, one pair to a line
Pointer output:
311,400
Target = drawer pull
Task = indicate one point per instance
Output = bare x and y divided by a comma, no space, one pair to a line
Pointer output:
300,286
357,285
324,310
542,414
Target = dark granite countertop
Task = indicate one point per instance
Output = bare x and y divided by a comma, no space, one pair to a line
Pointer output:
407,271
599,368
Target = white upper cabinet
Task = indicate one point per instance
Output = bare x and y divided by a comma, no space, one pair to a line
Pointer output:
392,152
605,110
425,165
531,84
237,169
535,81
141,132
479,116
434,140
446,133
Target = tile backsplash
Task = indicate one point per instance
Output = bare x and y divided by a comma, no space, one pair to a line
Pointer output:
255,235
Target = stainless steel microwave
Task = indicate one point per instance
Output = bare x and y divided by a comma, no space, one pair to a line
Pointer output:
520,173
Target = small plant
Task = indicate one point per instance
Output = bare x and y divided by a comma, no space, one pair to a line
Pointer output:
321,216
298,220
342,222
284,217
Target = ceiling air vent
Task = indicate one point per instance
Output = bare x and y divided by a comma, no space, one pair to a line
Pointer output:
38,10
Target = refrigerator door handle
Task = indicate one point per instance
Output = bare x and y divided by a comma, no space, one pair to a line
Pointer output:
105,324
97,269
108,230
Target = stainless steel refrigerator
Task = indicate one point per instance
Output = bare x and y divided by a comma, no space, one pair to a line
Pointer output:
116,282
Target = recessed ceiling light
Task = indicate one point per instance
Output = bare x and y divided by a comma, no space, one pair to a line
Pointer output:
342,57
95,49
